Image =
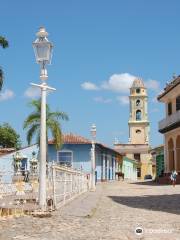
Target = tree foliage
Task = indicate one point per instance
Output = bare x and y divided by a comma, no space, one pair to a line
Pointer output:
32,123
4,44
8,137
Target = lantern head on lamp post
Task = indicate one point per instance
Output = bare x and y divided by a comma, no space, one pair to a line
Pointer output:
93,131
43,51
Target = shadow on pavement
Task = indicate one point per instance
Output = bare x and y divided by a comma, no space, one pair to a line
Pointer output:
164,203
146,183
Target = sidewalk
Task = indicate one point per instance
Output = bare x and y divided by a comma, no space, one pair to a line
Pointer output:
85,205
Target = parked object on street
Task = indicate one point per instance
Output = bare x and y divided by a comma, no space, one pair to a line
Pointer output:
119,175
146,177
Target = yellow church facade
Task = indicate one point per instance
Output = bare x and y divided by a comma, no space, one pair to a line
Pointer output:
138,147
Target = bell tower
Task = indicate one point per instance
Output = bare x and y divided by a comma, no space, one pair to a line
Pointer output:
138,120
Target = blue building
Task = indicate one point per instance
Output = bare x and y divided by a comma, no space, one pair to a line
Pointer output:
76,152
7,161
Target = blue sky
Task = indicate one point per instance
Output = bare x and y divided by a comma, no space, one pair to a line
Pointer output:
94,42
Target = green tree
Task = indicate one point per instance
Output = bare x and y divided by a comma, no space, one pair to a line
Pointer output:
8,137
4,44
32,123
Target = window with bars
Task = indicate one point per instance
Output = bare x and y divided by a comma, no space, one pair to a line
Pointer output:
137,156
169,108
178,103
65,158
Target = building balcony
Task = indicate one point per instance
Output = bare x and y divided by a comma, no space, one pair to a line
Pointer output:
169,123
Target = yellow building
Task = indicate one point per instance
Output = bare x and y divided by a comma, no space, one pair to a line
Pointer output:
170,126
138,146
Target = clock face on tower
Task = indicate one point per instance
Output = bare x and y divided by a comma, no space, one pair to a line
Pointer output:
138,103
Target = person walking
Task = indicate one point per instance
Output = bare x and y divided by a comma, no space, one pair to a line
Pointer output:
173,177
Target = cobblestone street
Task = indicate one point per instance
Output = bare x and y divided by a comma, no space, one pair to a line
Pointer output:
112,212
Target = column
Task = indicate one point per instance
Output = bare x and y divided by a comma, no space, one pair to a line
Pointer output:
166,156
114,162
145,109
108,167
104,168
175,158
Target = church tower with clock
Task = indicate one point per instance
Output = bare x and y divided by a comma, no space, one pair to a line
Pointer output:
138,120
138,147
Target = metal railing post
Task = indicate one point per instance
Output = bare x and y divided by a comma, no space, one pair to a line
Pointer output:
54,185
64,197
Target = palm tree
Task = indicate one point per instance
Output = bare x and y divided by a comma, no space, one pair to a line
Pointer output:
4,44
32,123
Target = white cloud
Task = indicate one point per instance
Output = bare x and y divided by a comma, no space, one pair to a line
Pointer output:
32,92
89,86
102,100
123,100
6,95
152,84
119,82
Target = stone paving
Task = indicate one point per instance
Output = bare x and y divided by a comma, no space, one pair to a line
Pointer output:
114,211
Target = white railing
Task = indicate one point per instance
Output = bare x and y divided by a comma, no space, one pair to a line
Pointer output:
170,120
19,195
67,184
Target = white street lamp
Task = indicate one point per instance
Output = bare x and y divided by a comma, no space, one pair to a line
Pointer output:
43,53
93,158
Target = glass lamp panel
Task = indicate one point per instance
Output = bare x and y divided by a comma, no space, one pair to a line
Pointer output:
43,51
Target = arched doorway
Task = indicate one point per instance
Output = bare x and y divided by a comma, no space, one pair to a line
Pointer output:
178,153
171,155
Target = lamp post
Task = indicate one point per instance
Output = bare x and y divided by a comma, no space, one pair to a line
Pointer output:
43,53
93,158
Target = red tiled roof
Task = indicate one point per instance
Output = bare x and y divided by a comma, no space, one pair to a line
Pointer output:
76,139
169,87
4,151
73,139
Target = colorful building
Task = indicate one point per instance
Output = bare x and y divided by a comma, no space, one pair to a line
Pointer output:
158,161
138,146
129,168
170,125
76,152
